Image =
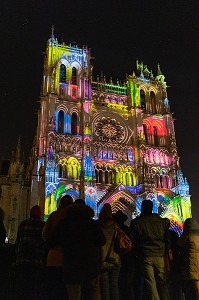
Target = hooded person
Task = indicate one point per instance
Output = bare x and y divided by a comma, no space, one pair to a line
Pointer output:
189,248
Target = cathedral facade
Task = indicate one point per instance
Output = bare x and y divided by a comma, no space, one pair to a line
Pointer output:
106,142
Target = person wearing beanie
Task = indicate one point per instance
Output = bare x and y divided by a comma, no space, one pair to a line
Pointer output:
30,256
55,287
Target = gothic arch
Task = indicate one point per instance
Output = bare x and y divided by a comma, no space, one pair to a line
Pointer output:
142,99
62,73
74,122
63,108
153,102
73,168
61,121
74,76
160,126
62,167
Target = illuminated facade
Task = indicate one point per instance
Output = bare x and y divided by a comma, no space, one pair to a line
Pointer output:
128,151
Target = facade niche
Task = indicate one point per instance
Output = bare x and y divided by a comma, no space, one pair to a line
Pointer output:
143,100
74,124
153,102
62,73
61,122
74,76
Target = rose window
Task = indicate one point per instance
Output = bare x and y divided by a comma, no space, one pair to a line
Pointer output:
109,130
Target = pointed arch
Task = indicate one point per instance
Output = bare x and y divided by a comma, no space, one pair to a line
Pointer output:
74,76
158,123
153,102
62,73
142,99
61,121
73,168
74,123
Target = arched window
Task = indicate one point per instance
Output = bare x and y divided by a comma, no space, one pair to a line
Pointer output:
155,134
96,175
153,102
74,75
73,168
74,124
111,177
60,171
100,176
62,73
106,177
142,100
61,122
145,133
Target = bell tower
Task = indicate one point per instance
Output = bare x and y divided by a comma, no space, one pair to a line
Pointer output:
63,117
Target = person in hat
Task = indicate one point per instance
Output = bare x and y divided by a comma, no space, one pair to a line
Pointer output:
30,256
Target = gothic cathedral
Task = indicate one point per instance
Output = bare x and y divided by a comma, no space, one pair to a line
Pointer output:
106,142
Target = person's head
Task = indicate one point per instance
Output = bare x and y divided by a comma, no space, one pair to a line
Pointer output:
190,224
120,217
65,201
2,214
35,212
146,207
80,201
106,212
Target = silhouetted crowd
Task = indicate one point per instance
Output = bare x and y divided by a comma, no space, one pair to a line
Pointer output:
72,256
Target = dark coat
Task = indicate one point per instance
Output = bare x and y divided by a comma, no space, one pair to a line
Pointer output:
151,235
81,238
189,243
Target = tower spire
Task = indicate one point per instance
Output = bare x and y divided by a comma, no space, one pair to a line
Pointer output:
159,70
18,150
52,31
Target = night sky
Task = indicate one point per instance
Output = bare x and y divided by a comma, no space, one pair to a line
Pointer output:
118,32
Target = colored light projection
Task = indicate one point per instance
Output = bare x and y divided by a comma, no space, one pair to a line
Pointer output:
54,194
135,93
109,87
127,139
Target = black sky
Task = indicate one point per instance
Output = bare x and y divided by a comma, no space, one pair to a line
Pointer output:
118,32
